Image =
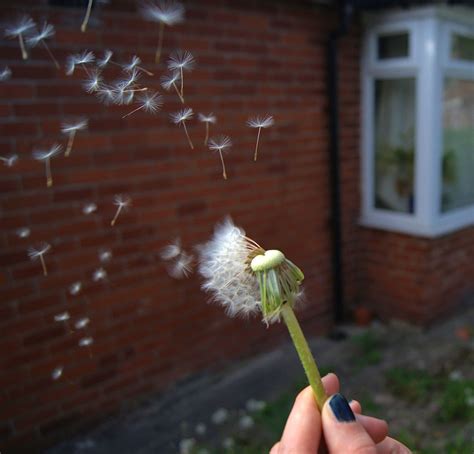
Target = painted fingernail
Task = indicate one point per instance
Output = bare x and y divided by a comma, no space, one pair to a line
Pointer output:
340,408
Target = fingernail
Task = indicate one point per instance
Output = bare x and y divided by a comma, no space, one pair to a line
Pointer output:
340,408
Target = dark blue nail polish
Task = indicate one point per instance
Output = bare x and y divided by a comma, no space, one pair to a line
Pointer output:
341,409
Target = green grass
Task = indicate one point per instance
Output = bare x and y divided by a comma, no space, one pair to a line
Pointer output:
368,349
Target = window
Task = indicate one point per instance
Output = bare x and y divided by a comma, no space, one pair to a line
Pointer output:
418,120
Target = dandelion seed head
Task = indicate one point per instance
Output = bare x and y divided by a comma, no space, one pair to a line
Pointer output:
151,102
75,288
181,266
35,253
261,122
224,265
89,208
171,251
43,155
183,115
99,275
23,232
64,316
181,60
79,124
9,161
103,62
168,80
21,26
85,341
46,32
57,372
82,323
121,200
211,118
5,74
105,255
220,416
166,11
93,83
220,143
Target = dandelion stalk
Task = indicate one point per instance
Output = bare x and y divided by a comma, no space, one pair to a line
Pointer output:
160,42
70,143
119,209
256,144
87,16
46,156
24,53
187,135
51,55
71,129
206,137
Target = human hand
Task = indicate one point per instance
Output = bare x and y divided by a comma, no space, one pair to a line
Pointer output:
345,429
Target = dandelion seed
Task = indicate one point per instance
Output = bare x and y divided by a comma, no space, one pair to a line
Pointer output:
64,316
181,61
93,83
135,64
56,374
87,16
9,161
150,102
75,288
20,29
86,342
245,278
38,253
45,33
207,119
5,74
89,208
71,129
23,232
259,123
122,202
170,80
166,12
171,251
99,275
105,60
246,422
105,255
81,59
106,95
221,144
82,323
181,117
46,155
220,416
181,266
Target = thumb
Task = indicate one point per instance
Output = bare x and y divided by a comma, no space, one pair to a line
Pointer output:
342,432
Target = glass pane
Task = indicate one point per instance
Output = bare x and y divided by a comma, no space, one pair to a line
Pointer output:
462,47
394,138
458,144
392,46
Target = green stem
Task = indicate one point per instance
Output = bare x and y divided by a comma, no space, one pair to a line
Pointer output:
304,353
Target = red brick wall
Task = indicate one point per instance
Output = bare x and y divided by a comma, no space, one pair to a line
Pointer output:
149,329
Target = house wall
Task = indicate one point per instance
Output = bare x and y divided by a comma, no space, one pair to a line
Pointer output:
149,329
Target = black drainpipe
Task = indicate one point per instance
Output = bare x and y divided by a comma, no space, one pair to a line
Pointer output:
345,13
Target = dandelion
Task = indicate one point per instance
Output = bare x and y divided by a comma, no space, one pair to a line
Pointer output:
57,372
220,416
166,12
87,16
207,119
181,266
86,342
150,102
181,117
221,144
105,255
9,161
82,323
82,59
22,27
71,129
259,123
75,288
122,202
23,232
245,279
93,83
38,253
5,74
46,155
89,208
40,38
134,65
181,61
99,275
171,251
168,81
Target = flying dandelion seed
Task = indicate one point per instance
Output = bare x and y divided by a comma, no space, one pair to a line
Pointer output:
71,129
181,61
9,161
245,279
75,288
122,202
40,38
181,266
64,316
38,253
82,59
207,119
220,144
106,95
134,65
99,275
105,255
150,102
20,30
171,251
87,16
165,12
94,82
42,155
259,123
57,372
170,80
5,74
89,208
23,232
86,342
181,117
82,323
106,59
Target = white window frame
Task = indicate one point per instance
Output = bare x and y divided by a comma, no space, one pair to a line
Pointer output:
429,62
